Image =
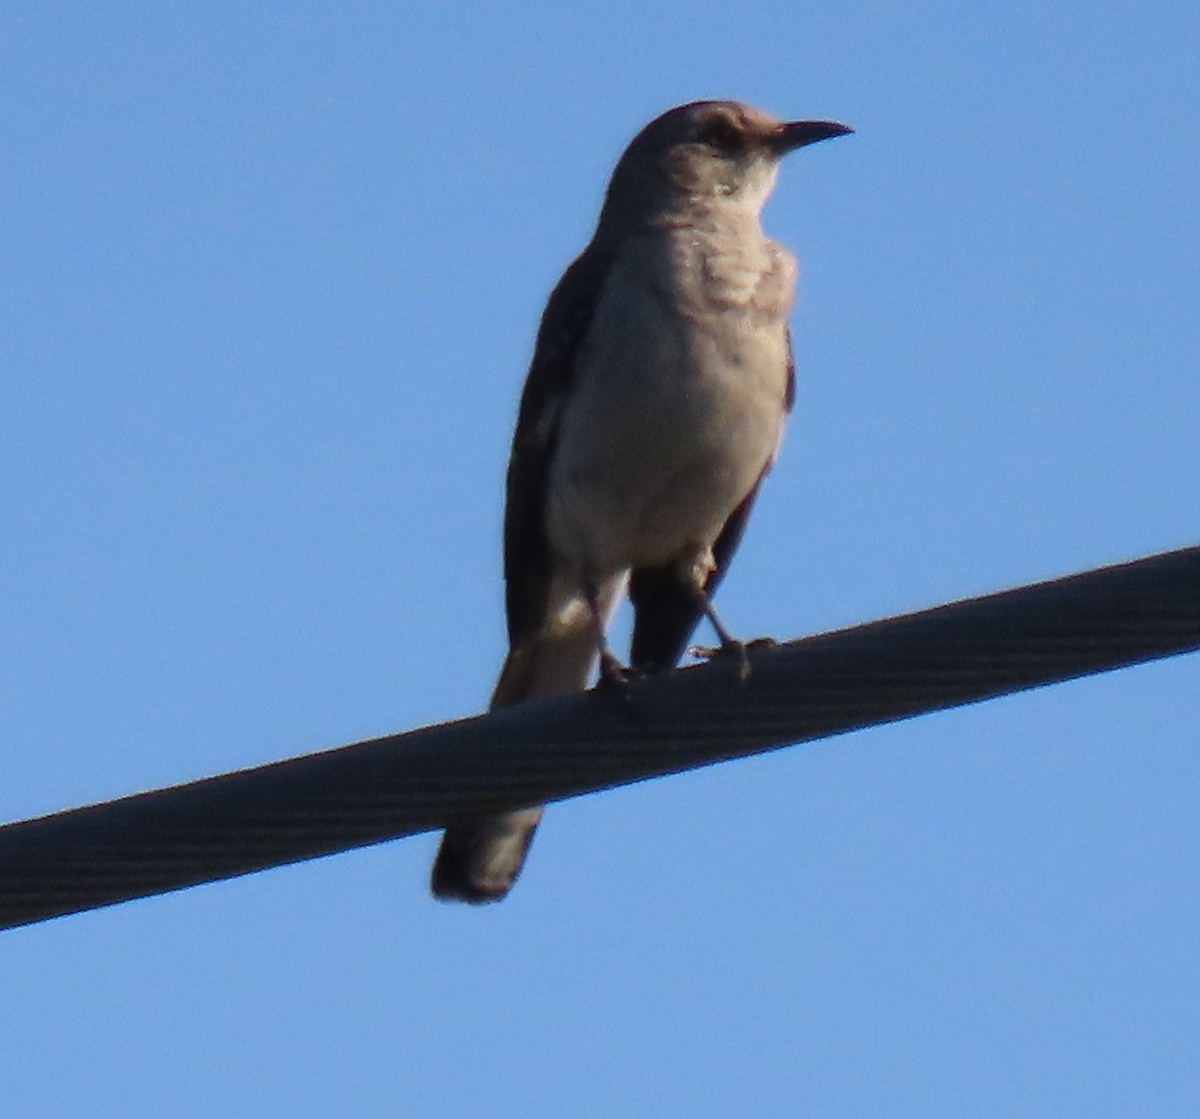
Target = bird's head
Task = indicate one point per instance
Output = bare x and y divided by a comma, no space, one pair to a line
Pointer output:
706,151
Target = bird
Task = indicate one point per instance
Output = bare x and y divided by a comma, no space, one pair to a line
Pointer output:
654,404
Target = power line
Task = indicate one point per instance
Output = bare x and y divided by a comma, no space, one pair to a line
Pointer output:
556,748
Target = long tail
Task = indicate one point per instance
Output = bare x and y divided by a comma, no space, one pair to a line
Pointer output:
479,860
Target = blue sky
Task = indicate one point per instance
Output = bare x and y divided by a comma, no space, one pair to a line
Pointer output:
271,275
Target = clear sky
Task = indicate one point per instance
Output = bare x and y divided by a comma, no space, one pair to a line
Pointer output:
270,278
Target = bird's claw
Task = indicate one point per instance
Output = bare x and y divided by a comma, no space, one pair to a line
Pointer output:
731,648
614,676
761,643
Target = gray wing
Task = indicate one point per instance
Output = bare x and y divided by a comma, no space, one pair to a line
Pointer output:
528,566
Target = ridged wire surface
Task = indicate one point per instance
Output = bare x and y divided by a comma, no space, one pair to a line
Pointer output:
551,749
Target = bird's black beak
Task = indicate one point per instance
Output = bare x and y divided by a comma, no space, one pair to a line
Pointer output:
799,133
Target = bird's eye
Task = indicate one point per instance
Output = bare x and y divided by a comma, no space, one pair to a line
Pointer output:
723,135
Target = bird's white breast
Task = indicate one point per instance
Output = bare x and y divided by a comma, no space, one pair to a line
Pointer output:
678,398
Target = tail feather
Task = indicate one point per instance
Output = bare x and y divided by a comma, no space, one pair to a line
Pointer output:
479,860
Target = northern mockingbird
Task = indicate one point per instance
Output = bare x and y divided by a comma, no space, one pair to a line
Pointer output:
653,407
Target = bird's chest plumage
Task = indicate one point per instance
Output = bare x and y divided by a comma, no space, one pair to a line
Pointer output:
677,401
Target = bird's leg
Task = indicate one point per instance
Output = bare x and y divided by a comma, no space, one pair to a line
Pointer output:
730,645
612,671
696,572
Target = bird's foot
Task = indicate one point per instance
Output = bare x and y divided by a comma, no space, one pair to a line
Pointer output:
732,647
761,643
614,676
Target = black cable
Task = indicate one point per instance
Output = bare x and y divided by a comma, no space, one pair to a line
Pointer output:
552,749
